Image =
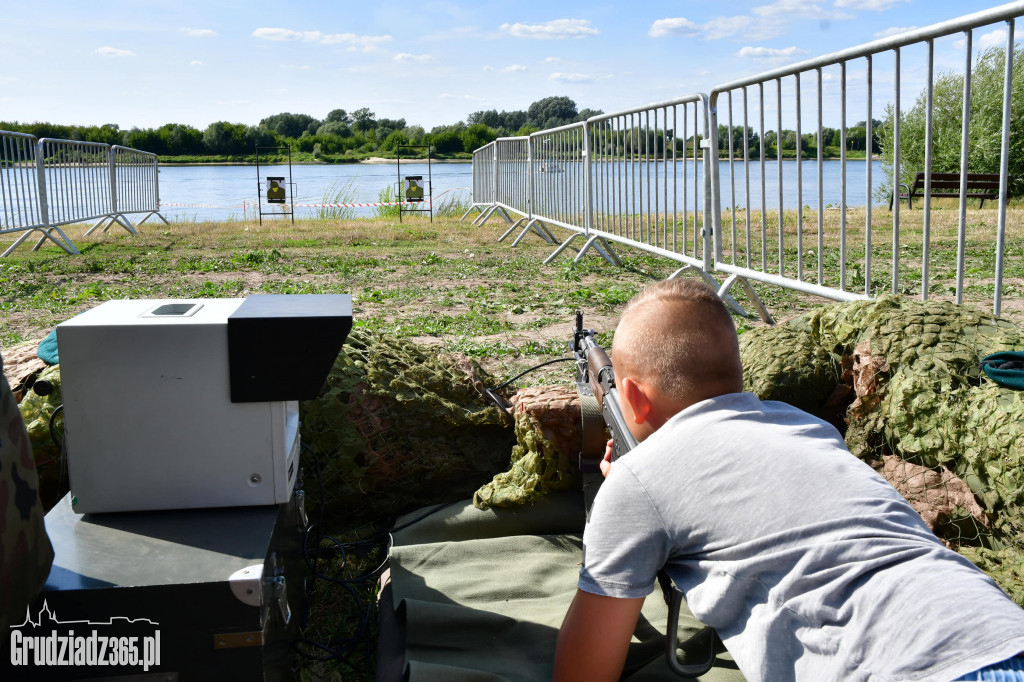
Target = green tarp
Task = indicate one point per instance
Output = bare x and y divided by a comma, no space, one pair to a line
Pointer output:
482,593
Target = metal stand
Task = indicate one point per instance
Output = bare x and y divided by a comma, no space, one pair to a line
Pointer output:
430,184
289,198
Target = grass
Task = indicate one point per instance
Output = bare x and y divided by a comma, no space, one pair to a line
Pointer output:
453,285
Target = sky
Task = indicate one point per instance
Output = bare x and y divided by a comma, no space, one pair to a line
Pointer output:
143,63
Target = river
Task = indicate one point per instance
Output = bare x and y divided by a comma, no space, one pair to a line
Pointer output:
219,192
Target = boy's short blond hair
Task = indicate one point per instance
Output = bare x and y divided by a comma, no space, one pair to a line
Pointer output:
678,336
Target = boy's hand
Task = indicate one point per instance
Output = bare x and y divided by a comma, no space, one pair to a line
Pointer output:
606,463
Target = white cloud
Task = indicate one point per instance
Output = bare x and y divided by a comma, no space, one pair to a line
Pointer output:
559,28
894,31
355,42
994,38
406,57
803,9
571,78
512,68
723,27
113,52
876,5
718,27
195,62
673,26
770,52
552,60
198,32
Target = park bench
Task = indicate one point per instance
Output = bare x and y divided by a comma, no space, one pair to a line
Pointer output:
985,186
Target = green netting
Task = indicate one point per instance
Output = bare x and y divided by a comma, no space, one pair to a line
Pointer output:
36,411
538,466
401,425
917,393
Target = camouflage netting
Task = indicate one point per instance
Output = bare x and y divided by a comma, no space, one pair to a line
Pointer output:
901,378
548,437
400,425
36,411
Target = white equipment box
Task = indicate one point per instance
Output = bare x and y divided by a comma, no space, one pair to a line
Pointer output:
166,408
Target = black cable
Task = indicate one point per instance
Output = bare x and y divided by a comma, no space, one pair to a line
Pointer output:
535,367
59,442
62,463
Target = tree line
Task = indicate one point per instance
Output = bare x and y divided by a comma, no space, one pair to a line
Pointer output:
341,133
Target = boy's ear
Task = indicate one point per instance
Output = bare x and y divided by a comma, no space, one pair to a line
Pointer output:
637,398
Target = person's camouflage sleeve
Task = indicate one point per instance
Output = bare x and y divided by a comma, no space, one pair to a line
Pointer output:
25,550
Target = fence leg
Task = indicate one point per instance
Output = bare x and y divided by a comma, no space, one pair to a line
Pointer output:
64,242
19,242
468,211
532,225
752,296
723,290
96,225
507,232
562,247
482,218
123,222
602,248
605,249
505,215
551,235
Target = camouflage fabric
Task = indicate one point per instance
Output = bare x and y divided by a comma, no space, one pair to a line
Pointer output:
900,379
25,550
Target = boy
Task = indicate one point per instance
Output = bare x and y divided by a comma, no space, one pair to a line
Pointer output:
808,563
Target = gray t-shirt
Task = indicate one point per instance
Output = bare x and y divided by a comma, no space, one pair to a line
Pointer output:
810,565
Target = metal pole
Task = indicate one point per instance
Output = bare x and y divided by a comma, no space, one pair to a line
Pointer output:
926,228
896,176
1004,160
964,152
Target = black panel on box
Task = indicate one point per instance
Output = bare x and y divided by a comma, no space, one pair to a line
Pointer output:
282,346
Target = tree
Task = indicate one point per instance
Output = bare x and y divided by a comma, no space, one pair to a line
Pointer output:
339,128
226,138
476,136
288,125
552,112
414,134
985,138
445,142
363,120
392,141
338,116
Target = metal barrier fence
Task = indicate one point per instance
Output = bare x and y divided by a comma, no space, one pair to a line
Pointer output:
20,207
764,243
484,181
625,177
135,184
646,165
48,183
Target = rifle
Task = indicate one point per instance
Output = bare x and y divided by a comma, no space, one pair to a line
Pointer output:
595,380
596,377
